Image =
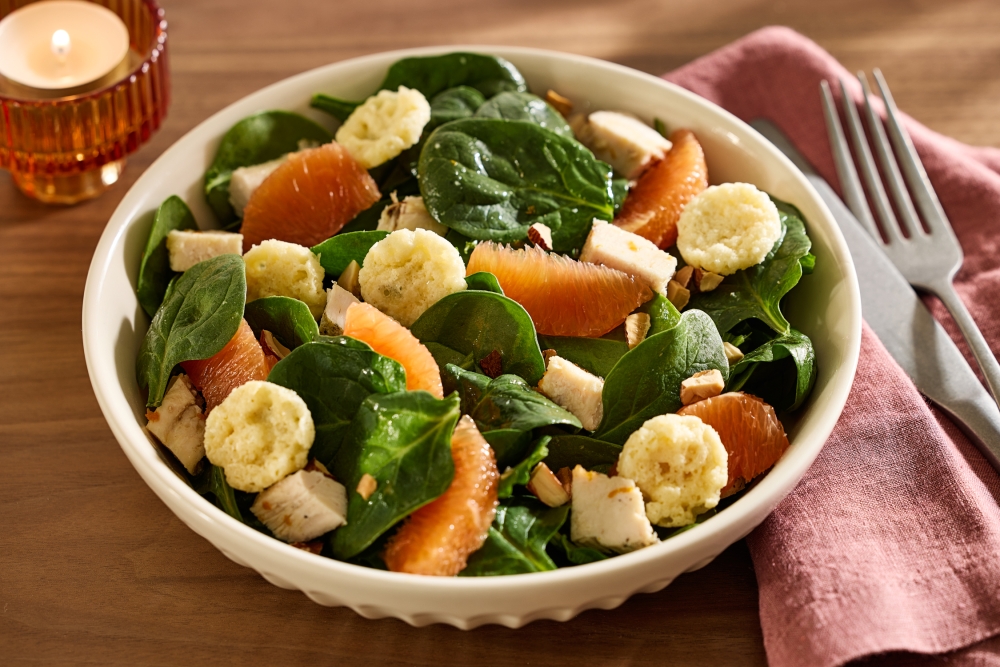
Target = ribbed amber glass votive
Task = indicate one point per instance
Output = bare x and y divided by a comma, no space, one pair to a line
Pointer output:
68,149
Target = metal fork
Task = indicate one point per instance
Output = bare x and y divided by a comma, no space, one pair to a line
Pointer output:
928,259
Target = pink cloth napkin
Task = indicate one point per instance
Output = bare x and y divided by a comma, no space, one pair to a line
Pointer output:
890,546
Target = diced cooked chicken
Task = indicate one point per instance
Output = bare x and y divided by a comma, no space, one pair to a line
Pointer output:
629,253
409,214
608,513
702,385
574,389
338,300
621,140
246,180
179,423
302,506
187,248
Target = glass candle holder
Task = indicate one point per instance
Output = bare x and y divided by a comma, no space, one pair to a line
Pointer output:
62,150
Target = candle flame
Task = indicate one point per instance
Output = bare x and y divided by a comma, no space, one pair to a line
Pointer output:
60,44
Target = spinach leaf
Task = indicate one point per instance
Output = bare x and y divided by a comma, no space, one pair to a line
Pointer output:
509,445
794,345
287,318
569,451
663,315
573,553
154,270
491,179
367,220
476,322
619,191
258,138
211,481
520,474
338,251
454,104
403,440
507,402
463,244
517,539
485,282
200,313
646,382
597,355
757,291
527,108
334,377
431,75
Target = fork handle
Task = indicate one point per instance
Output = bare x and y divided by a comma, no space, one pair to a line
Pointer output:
970,330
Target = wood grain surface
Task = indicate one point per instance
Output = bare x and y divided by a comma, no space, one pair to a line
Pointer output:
93,567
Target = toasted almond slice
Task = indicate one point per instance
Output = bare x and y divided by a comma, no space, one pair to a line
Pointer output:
561,104
683,276
702,385
636,328
366,486
349,279
540,235
677,294
733,353
547,487
274,346
708,281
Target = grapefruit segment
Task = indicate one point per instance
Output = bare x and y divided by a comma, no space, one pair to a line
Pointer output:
439,537
749,430
241,360
564,297
390,338
308,198
653,207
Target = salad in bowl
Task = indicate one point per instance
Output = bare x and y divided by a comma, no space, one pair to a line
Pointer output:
477,330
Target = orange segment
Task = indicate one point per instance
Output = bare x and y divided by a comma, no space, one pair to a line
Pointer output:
563,296
241,360
390,338
653,207
749,430
308,198
439,537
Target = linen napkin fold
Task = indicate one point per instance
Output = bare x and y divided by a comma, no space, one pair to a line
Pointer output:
890,545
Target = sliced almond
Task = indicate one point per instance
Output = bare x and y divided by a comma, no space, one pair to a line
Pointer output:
547,487
540,235
702,385
366,486
683,276
636,328
492,364
273,345
677,294
708,281
565,477
561,104
349,279
733,353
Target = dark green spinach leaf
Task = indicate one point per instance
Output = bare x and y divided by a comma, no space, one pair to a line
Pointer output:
338,251
569,451
573,553
154,269
211,481
403,440
757,291
517,539
520,474
619,191
663,315
454,104
367,220
510,445
200,313
334,377
491,179
288,319
476,322
597,355
527,108
795,345
485,282
646,382
258,138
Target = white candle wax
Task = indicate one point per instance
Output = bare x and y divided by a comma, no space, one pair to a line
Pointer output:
61,44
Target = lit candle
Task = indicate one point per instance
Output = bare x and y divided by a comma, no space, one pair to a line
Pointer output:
61,46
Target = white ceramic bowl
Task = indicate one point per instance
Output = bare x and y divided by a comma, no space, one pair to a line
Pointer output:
826,306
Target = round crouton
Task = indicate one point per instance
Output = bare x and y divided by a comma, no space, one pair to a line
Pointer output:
278,268
384,126
728,227
679,464
407,272
258,435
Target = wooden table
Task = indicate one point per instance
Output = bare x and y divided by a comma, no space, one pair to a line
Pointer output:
94,568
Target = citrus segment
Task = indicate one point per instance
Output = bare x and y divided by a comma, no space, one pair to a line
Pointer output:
749,430
653,207
439,537
308,198
241,360
390,338
564,297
